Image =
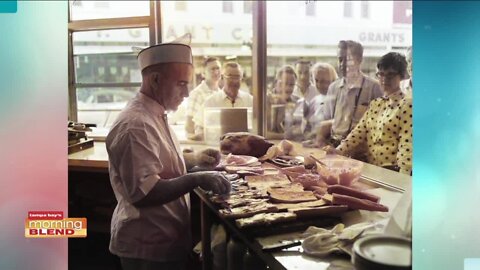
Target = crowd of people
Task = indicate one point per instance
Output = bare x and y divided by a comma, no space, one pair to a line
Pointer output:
348,112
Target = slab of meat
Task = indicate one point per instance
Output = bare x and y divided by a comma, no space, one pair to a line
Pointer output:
243,143
356,203
289,187
235,169
343,190
248,210
287,206
265,219
287,196
309,180
266,181
294,171
319,211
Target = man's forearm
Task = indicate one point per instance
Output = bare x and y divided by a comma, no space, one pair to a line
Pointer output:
167,190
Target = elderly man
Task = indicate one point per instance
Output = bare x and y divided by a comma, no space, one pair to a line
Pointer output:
348,97
231,96
198,96
323,74
151,222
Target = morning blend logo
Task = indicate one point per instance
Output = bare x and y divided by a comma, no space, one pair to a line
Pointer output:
52,224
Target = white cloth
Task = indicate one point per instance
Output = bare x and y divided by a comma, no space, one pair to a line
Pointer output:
143,150
309,94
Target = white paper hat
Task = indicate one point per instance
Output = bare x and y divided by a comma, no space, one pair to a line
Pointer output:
174,52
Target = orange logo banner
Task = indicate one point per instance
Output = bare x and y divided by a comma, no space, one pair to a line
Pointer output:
43,224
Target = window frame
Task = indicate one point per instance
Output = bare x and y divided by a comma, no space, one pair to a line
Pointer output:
154,24
151,22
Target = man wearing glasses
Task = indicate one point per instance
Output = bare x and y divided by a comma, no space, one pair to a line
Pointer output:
348,97
231,96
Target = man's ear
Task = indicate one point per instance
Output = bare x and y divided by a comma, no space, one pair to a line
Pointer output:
155,80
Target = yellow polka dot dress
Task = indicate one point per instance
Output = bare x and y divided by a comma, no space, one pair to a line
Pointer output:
385,130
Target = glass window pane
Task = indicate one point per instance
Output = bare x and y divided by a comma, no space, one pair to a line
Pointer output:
227,6
180,5
222,35
102,105
295,36
310,8
348,9
108,56
86,10
365,9
247,7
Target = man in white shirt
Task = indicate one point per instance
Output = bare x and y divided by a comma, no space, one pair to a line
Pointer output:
198,96
151,223
304,88
230,96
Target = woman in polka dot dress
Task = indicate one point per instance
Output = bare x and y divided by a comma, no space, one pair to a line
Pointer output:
385,130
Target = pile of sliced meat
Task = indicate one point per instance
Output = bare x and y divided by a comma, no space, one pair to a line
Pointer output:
294,193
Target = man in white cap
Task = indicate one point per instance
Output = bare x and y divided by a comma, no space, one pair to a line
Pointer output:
151,223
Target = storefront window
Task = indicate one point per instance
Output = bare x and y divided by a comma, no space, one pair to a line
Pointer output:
297,31
216,31
294,37
102,105
106,72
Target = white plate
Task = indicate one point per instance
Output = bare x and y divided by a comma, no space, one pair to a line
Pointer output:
249,160
382,252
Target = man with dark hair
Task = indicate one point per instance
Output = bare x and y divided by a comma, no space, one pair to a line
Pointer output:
151,222
304,88
348,97
209,86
